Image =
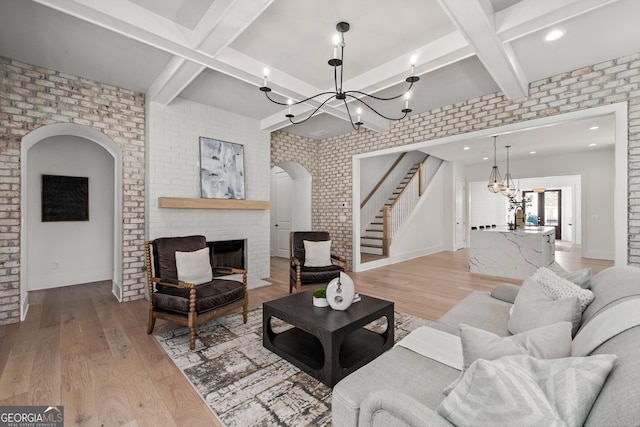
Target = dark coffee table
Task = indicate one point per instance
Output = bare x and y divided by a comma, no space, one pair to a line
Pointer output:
327,344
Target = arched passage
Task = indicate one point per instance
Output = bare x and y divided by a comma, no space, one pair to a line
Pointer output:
291,188
93,135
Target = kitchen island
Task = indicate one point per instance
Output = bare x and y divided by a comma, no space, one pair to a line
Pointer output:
511,253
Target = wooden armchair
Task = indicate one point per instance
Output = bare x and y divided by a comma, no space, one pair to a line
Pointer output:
301,274
184,303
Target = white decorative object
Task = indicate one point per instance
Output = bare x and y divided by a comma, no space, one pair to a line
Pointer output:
194,267
340,292
320,302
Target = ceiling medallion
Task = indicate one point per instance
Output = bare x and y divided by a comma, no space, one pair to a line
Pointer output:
338,94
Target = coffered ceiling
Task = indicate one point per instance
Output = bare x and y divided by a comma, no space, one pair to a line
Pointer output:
214,51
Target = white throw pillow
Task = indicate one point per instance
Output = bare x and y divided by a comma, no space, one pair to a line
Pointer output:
317,254
524,390
194,267
562,288
534,307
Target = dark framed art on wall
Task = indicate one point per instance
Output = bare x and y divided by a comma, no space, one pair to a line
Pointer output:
65,198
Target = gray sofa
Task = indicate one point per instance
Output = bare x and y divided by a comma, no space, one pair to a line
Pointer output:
404,388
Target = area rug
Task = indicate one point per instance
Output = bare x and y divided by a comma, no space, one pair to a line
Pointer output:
244,384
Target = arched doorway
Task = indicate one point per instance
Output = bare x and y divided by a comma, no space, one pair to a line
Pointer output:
92,135
291,204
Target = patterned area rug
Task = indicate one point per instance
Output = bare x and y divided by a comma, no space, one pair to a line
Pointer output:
245,384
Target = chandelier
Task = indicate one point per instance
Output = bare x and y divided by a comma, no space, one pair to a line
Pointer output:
339,93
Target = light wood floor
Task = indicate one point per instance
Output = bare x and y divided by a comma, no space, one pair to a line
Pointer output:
82,349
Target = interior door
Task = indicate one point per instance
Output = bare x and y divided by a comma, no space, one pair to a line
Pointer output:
460,229
283,211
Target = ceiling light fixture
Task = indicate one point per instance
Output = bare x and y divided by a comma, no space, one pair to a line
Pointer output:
553,35
495,180
508,187
339,93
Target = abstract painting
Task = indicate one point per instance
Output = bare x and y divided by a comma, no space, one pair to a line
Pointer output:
65,198
221,169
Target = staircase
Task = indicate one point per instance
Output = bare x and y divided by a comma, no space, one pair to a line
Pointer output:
372,240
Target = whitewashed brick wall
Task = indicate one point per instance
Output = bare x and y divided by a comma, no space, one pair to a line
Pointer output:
173,155
617,80
31,97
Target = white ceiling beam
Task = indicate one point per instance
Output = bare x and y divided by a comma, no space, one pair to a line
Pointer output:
195,50
173,79
478,28
529,16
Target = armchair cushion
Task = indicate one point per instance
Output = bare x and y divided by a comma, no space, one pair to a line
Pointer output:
317,274
194,267
209,296
164,249
299,237
317,254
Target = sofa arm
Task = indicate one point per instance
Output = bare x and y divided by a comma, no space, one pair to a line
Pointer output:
387,408
506,292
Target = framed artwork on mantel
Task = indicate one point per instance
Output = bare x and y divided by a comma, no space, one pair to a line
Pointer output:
221,169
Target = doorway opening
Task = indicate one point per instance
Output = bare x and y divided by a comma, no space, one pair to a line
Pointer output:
290,204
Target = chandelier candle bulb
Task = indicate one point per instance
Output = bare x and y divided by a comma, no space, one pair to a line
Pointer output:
336,41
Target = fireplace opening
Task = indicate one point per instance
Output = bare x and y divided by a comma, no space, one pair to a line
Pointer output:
227,253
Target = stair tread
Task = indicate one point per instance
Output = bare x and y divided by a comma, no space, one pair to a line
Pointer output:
367,245
371,237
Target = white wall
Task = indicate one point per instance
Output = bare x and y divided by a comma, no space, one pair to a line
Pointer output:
423,232
173,170
69,253
594,203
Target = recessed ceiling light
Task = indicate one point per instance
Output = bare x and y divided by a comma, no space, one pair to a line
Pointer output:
554,35
594,127
467,148
532,152
485,158
592,144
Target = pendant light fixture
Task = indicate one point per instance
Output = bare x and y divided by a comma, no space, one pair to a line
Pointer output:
495,180
508,187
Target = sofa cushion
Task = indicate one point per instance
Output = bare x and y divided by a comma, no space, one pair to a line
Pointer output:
480,310
547,342
194,267
530,390
506,292
612,286
562,288
532,300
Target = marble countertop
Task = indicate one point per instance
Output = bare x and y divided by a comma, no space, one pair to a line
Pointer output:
526,230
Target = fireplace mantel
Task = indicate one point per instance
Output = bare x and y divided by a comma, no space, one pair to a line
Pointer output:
199,203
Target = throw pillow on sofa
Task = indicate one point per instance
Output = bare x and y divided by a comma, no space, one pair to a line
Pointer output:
581,277
562,288
546,342
534,308
523,390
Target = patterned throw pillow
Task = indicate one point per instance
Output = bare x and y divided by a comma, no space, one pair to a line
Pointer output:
523,390
562,288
